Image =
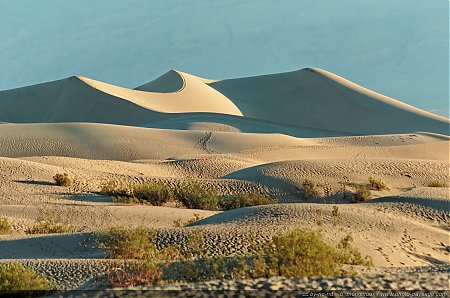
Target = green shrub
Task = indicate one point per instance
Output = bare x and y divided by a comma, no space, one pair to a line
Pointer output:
246,200
310,189
376,184
15,278
194,196
156,194
361,194
5,226
437,183
63,179
50,225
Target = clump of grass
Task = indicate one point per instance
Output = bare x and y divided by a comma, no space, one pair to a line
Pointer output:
377,184
436,183
246,200
194,196
310,189
361,194
14,279
63,179
5,226
50,224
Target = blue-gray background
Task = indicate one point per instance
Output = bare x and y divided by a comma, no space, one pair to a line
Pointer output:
396,47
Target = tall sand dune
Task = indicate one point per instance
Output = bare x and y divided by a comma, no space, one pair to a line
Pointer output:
319,99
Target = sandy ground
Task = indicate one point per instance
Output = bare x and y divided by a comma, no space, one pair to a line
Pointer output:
232,135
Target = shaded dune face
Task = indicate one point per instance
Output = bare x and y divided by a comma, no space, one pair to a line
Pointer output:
304,103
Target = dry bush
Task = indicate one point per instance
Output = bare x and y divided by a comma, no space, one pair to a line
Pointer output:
246,200
195,196
5,226
436,183
157,194
310,189
116,188
50,224
178,223
376,184
361,194
63,179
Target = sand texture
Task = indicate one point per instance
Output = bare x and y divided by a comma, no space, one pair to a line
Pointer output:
266,133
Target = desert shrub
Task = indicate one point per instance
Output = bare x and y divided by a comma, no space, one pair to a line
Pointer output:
376,184
296,253
302,253
144,261
116,189
246,200
63,179
310,189
350,255
361,194
5,226
15,278
50,224
154,193
194,196
437,183
335,211
125,200
124,243
180,223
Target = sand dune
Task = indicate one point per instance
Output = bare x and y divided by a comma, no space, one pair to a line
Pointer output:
312,102
258,134
319,99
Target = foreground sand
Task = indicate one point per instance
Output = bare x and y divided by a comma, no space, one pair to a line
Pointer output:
235,144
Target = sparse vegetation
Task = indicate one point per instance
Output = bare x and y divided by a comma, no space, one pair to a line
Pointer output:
194,196
335,212
63,179
50,224
180,223
5,226
154,193
310,189
361,194
376,184
246,200
436,183
296,253
115,188
15,278
190,195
